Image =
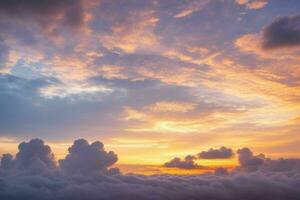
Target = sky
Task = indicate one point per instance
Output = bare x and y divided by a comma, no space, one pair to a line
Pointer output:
167,85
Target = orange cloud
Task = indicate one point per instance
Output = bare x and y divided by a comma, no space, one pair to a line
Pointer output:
252,4
166,106
191,8
136,34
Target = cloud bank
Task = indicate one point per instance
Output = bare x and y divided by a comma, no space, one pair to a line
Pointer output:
71,179
85,157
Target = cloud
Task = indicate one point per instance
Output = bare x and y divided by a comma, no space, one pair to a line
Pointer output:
172,106
221,153
62,186
252,4
221,171
33,156
127,26
87,158
21,103
256,186
7,161
192,7
186,163
283,32
249,162
46,12
4,50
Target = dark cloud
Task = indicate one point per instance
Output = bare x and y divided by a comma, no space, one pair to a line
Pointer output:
33,156
159,187
221,153
45,12
249,162
27,21
107,186
7,161
187,163
87,158
221,171
4,50
283,32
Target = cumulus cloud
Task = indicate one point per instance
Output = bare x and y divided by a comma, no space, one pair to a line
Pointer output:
275,185
87,158
221,153
186,163
250,162
283,32
33,156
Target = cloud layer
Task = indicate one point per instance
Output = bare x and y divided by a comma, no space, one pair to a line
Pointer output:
19,183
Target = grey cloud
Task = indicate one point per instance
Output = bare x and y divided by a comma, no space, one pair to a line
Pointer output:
221,153
4,49
221,171
283,32
186,163
26,21
44,11
87,158
22,104
249,162
160,187
33,156
66,186
7,161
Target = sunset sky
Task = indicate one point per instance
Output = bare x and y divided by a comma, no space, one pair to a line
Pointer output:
152,80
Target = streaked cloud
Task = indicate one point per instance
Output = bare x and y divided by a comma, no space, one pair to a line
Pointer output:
194,6
253,4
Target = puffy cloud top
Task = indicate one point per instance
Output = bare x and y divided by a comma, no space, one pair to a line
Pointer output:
280,182
221,153
34,156
283,32
186,163
87,158
250,162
